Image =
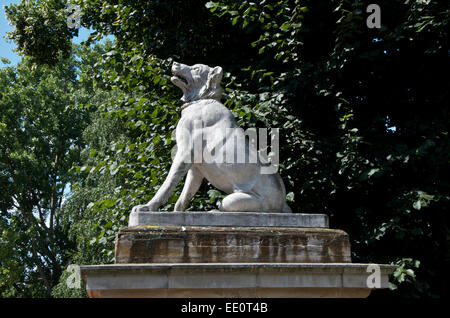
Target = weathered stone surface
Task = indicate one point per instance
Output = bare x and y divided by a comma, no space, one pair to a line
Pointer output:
251,219
231,280
191,244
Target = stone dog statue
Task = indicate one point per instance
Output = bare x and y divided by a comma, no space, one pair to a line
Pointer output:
205,120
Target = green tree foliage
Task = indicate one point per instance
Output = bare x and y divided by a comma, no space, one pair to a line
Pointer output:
363,114
41,126
41,26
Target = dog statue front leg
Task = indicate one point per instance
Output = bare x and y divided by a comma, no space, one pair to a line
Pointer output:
177,171
191,185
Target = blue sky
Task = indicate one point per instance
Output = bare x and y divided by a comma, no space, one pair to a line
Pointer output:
6,47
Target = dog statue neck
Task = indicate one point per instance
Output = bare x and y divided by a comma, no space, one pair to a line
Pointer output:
206,100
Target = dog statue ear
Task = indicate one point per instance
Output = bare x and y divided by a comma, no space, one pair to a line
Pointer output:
215,75
212,88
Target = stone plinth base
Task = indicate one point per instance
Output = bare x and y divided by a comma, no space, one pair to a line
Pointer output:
215,244
231,254
240,219
265,280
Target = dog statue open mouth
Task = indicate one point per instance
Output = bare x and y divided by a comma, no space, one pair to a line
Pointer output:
179,80
205,119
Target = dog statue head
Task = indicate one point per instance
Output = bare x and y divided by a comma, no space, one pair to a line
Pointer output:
198,81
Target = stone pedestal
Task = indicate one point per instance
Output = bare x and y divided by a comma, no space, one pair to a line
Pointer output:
218,244
237,254
230,219
231,280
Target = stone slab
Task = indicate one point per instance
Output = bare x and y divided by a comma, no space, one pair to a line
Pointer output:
252,219
209,280
213,244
